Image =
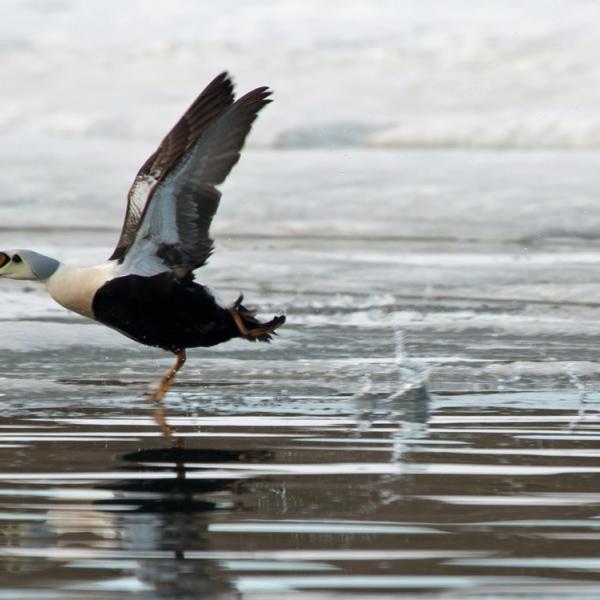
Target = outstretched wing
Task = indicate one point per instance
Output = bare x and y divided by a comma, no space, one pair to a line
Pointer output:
173,198
212,101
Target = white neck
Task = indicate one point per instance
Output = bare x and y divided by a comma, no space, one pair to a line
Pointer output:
75,287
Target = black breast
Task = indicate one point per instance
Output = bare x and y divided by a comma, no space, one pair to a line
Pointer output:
163,311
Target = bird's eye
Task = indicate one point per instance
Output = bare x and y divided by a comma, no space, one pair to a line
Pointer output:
17,259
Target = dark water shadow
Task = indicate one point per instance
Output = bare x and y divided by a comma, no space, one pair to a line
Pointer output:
164,519
176,492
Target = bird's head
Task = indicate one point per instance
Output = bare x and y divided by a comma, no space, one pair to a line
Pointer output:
26,264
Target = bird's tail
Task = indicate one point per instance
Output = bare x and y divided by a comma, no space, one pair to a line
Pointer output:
249,326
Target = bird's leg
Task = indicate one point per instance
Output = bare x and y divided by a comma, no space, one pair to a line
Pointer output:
238,320
161,390
261,329
167,380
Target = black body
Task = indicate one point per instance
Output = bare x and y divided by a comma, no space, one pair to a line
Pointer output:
163,311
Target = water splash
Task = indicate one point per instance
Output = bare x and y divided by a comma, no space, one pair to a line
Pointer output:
582,392
398,394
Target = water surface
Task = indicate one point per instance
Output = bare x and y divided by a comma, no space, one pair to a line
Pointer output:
426,423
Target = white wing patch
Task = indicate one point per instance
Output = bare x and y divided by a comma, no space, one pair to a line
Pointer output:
158,227
140,192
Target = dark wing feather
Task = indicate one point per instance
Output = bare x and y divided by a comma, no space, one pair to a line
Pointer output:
195,207
193,182
212,101
174,225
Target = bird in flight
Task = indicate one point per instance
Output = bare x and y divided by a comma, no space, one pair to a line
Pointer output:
146,290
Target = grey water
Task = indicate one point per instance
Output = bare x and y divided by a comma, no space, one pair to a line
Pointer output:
426,424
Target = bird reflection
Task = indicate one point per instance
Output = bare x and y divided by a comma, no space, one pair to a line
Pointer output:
178,493
170,516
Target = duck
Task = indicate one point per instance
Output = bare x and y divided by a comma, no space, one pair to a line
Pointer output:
147,289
